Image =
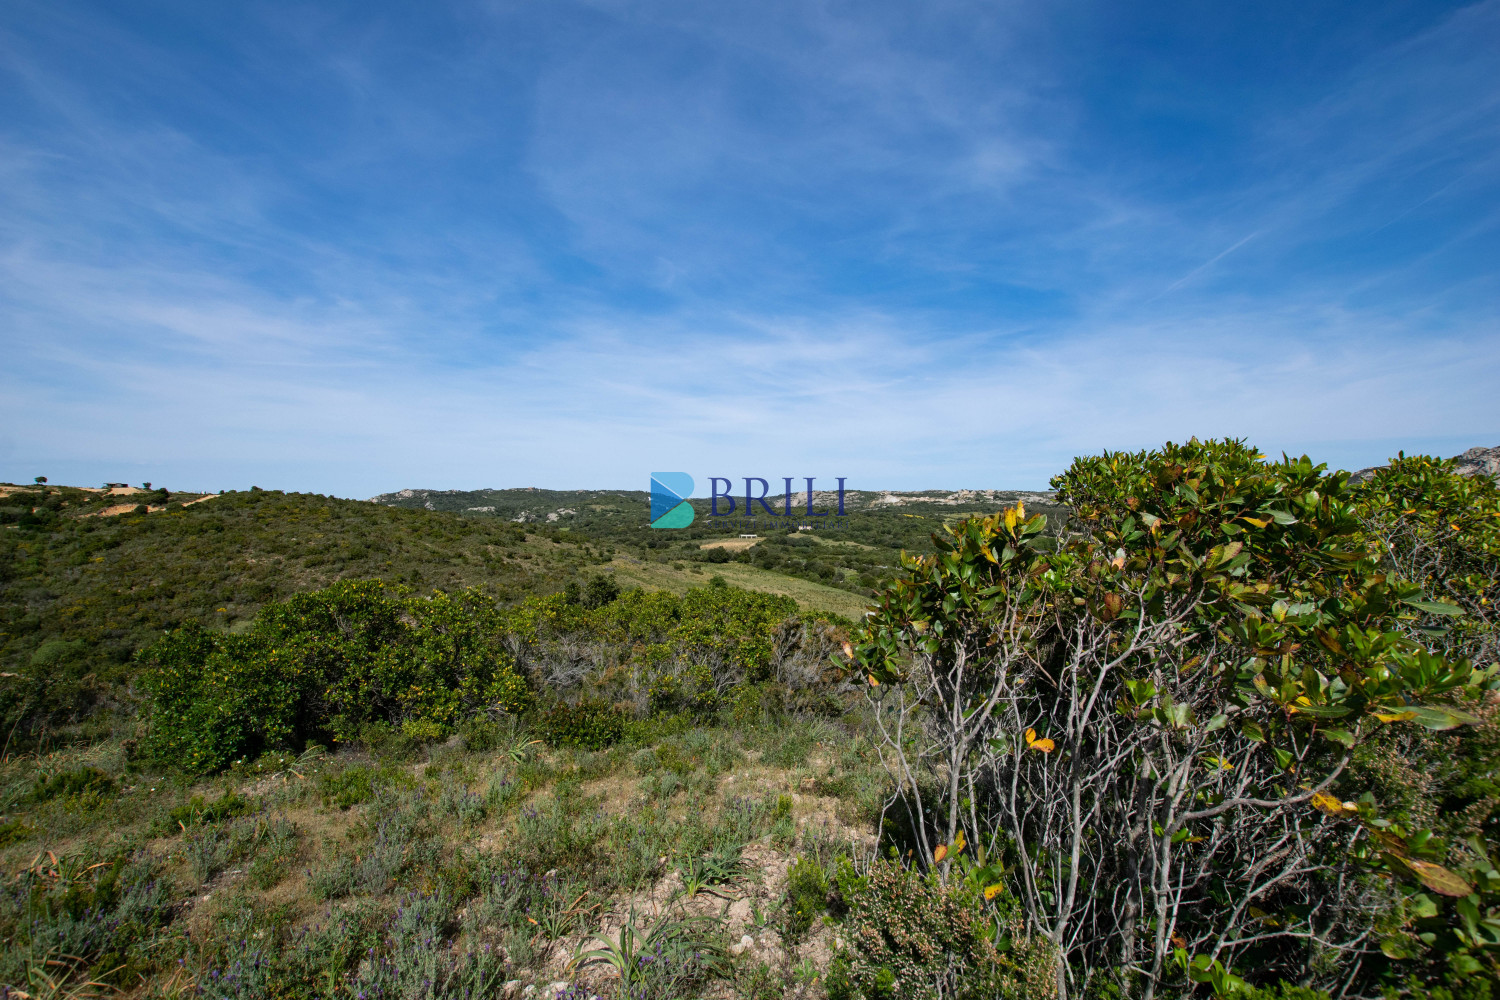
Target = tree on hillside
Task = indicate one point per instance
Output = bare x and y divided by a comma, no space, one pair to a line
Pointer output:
41,480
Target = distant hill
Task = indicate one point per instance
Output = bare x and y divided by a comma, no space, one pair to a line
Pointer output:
856,554
531,504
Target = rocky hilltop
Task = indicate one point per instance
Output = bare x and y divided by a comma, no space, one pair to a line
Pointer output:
1477,461
1480,462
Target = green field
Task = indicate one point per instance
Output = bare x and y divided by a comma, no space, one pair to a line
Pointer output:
808,595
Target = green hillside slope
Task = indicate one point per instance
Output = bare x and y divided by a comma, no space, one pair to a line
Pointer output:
79,594
866,543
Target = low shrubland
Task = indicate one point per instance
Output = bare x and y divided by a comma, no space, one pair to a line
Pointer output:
1228,730
80,594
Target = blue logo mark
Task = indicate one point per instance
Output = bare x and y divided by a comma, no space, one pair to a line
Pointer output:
669,503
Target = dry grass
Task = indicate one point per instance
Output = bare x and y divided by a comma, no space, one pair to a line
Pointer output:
731,544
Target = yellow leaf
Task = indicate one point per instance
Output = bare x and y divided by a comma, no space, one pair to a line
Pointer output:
991,891
848,650
1045,746
940,853
1326,803
1030,736
959,843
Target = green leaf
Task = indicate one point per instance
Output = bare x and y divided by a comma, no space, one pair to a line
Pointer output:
1322,711
1433,607
1440,716
1341,736
1435,877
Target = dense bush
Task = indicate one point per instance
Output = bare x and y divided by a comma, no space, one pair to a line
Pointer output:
910,936
1143,716
591,725
322,666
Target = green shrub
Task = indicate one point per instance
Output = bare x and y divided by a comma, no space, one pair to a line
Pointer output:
324,666
211,849
79,782
13,831
352,786
806,895
910,937
589,724
482,735
787,749
687,689
199,812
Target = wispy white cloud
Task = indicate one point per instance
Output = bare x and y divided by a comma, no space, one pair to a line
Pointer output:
562,247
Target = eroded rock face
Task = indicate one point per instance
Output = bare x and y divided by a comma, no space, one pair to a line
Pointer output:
1478,461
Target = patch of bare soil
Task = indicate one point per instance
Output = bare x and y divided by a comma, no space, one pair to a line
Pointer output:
732,544
117,509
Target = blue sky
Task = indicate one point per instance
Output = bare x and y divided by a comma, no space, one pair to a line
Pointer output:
350,248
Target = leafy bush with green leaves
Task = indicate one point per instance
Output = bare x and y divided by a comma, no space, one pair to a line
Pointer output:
1432,527
1172,684
910,936
324,665
590,725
